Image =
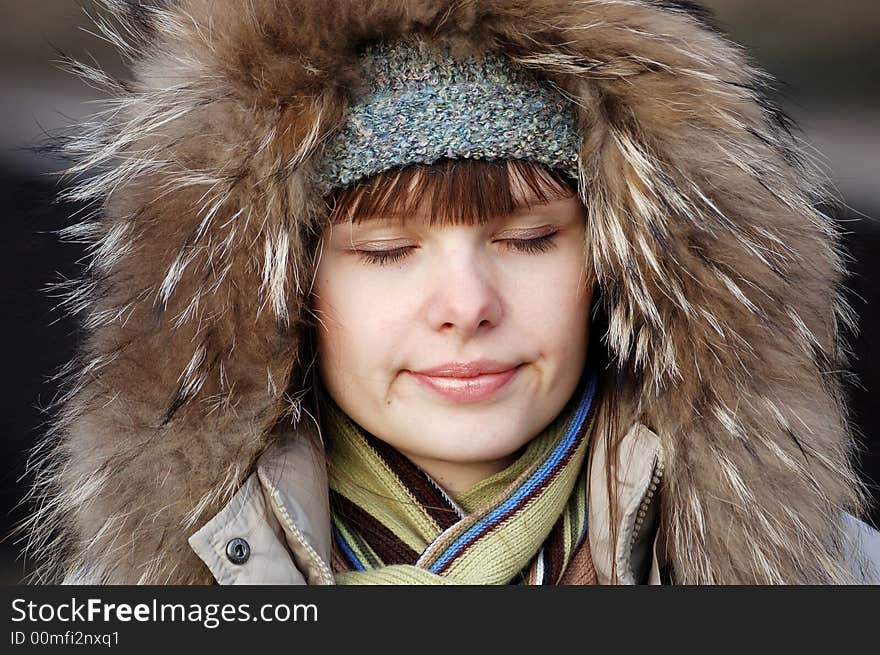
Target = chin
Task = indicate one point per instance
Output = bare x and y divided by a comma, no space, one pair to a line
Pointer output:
477,447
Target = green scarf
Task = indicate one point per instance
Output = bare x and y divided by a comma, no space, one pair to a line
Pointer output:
396,525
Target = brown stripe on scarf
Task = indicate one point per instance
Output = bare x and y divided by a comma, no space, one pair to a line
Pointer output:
419,484
388,546
554,551
580,570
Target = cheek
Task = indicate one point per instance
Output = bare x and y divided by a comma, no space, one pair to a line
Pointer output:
576,297
353,331
555,302
331,323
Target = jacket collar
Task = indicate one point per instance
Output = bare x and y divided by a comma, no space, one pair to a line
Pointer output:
282,514
639,473
285,502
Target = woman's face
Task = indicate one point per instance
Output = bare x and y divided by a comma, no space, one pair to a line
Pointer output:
455,344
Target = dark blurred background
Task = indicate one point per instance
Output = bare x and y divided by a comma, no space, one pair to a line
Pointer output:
826,55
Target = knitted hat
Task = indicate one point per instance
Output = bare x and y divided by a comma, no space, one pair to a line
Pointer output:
422,104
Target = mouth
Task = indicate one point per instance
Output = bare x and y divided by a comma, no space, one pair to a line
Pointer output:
466,384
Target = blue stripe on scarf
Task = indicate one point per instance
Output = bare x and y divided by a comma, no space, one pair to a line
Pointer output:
348,551
511,503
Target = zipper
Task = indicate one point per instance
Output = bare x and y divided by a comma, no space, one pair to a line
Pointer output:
647,499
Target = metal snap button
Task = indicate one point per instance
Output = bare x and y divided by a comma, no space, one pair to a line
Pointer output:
238,550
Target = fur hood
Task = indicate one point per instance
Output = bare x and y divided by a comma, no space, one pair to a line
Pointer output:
720,276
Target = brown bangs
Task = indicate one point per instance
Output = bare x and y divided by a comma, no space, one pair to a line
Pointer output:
457,191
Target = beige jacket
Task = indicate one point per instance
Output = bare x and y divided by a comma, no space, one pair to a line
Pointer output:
281,514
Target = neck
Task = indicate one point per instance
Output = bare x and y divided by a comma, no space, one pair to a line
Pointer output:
457,477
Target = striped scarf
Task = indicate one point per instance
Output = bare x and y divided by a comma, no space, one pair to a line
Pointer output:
393,524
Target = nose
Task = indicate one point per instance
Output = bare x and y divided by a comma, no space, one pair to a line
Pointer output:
465,297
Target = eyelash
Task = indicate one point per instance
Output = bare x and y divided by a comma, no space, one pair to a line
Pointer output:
530,246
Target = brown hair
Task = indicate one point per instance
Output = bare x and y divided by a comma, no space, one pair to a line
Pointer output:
474,191
460,192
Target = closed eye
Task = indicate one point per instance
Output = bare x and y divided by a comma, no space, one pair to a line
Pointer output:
531,246
382,257
536,245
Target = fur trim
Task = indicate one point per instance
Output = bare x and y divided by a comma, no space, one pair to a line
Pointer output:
720,276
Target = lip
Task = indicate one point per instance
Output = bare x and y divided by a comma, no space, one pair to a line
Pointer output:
467,381
467,369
